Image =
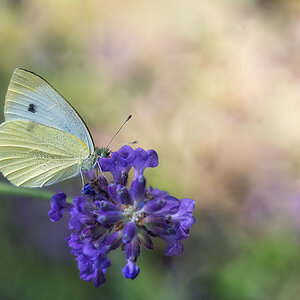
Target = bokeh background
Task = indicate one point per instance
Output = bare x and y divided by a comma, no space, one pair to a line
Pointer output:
214,88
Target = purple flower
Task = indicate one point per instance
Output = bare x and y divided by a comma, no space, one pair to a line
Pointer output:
112,214
129,232
119,164
131,270
144,159
174,248
185,214
58,206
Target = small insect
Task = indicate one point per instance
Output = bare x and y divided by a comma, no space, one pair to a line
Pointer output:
43,139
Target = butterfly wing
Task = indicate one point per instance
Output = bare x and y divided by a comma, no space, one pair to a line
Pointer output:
32,98
36,155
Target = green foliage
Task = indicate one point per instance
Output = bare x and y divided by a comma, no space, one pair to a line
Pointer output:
266,268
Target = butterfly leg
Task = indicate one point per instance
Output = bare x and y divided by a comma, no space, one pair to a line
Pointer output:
82,180
98,164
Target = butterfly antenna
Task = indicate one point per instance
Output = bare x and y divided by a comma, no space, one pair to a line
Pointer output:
128,118
131,143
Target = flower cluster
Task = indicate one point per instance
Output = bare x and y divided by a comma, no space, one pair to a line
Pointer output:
110,215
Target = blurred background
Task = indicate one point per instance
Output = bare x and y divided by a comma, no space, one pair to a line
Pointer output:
214,88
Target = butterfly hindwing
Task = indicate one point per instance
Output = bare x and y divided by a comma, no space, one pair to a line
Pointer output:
35,155
31,98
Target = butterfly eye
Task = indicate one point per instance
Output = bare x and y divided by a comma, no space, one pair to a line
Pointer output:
31,108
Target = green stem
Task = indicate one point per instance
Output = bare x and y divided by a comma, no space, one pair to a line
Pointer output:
11,190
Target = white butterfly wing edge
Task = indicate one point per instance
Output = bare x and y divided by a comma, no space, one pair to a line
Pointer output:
31,98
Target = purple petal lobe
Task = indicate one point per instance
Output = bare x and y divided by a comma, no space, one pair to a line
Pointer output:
185,214
58,206
108,206
123,195
144,159
129,232
154,206
187,205
102,262
133,250
100,279
145,240
112,190
109,217
137,188
127,153
131,270
79,205
119,164
114,241
174,248
90,250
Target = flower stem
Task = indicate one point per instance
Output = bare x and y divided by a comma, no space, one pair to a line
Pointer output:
11,190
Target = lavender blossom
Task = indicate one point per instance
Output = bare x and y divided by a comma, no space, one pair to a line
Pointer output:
58,206
110,215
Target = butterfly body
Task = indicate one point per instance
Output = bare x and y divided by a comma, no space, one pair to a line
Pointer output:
88,163
43,139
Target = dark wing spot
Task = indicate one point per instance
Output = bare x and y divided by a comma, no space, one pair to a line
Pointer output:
31,108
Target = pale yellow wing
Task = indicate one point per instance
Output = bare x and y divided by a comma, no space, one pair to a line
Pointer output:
31,98
36,155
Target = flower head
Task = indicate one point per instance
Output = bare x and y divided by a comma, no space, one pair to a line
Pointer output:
112,214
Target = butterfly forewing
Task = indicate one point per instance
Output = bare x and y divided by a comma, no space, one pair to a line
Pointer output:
31,98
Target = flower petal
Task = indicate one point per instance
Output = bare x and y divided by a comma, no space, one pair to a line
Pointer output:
137,189
174,248
129,232
144,159
131,270
58,206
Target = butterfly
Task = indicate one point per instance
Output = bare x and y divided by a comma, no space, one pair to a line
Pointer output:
43,139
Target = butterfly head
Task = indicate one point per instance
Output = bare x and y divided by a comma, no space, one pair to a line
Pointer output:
90,162
102,152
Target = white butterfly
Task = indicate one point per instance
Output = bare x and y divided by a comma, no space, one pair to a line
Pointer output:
43,139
